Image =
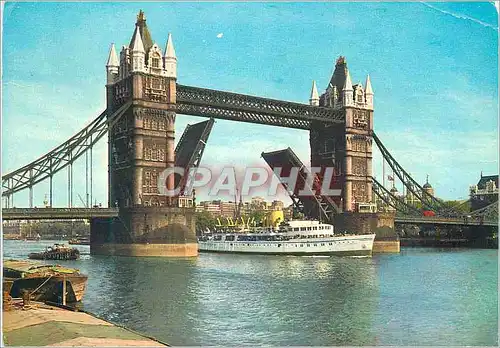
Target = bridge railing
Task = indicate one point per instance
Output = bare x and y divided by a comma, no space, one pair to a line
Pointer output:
466,220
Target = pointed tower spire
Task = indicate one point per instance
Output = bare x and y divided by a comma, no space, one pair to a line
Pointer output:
147,41
170,58
347,91
368,86
314,100
113,58
137,51
369,93
112,66
339,73
169,49
348,82
137,45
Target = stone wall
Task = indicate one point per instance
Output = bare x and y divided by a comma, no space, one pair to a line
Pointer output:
382,224
389,246
171,229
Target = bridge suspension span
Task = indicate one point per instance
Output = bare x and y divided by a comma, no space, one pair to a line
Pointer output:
60,157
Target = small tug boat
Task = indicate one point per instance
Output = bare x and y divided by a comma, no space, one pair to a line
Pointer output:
43,282
56,252
295,237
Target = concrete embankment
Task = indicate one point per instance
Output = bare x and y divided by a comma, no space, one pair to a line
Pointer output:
39,324
386,246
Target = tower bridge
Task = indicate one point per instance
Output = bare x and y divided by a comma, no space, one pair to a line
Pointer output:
143,101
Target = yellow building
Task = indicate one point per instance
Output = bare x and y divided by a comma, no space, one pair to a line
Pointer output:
274,218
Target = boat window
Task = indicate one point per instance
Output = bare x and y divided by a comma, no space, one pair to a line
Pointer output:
279,245
330,243
309,229
322,243
315,244
303,229
230,238
315,228
296,229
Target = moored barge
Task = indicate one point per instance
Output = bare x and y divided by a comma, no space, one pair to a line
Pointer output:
43,282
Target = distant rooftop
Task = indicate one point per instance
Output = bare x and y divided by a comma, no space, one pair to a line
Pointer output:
485,178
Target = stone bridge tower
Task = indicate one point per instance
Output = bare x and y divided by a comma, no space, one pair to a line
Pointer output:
347,147
140,148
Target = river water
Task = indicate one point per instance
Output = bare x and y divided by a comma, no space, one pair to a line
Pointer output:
418,297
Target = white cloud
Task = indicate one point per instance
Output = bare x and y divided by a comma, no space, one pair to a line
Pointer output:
220,35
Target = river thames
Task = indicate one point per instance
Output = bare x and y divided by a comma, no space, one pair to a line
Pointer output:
418,297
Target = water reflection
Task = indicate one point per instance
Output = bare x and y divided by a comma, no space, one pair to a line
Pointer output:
310,301
431,296
420,297
153,295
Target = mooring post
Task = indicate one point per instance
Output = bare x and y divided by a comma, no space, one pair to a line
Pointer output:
64,291
25,294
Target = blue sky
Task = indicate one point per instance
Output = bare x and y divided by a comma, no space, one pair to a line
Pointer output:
433,67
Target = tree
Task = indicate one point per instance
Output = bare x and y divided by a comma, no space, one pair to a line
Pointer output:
204,221
56,229
258,216
458,205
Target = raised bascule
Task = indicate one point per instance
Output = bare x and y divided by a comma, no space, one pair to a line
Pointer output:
143,100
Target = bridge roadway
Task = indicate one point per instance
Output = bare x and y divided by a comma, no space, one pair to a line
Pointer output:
436,220
87,213
57,213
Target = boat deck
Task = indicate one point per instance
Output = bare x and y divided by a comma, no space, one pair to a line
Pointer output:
45,325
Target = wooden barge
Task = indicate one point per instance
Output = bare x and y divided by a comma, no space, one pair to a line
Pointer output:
43,282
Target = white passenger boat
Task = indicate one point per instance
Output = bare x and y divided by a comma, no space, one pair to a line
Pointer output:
296,237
